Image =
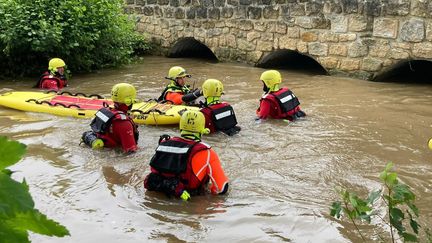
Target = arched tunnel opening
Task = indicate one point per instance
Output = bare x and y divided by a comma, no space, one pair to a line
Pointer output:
291,60
189,47
412,71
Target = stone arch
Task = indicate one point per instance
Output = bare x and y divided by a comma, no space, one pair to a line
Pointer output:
407,71
190,47
291,60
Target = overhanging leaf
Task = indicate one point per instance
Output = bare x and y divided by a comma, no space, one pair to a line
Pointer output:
10,152
39,223
14,194
12,235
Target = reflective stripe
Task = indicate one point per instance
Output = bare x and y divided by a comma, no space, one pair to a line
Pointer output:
102,116
285,99
223,115
170,149
123,117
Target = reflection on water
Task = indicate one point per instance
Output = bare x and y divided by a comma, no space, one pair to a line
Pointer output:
282,174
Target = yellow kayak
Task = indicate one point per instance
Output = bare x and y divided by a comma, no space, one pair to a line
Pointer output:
85,106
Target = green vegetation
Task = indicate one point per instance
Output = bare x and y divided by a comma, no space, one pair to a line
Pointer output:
87,34
17,212
397,197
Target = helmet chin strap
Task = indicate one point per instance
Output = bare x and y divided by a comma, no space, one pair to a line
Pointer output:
212,100
191,135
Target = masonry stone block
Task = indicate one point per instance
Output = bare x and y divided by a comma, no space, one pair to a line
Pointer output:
179,13
328,62
429,31
313,8
293,32
140,2
347,37
373,8
213,13
398,54
339,23
318,49
252,36
422,50
349,64
302,47
245,25
227,12
233,2
254,56
245,45
309,36
281,28
413,30
254,12
264,45
371,64
245,2
397,8
271,12
148,11
201,13
357,23
304,22
328,37
287,43
357,49
338,50
296,9
259,26
385,27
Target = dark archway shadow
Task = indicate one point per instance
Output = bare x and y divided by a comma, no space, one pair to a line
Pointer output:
291,60
189,47
408,71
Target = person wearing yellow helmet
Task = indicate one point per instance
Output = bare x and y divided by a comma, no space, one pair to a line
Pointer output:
177,92
112,126
219,116
184,166
276,102
54,78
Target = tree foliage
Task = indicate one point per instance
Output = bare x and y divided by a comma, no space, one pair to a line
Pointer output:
87,34
402,213
17,212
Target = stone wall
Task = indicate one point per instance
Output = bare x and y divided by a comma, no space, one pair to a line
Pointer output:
359,38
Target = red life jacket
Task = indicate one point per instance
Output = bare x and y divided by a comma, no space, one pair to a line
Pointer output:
173,158
284,103
102,122
47,77
219,117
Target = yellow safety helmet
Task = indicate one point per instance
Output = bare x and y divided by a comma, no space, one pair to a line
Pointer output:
271,78
55,63
430,144
212,88
123,93
193,121
177,72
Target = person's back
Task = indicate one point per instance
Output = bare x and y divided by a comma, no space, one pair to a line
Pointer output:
177,92
112,126
54,78
219,115
276,102
184,166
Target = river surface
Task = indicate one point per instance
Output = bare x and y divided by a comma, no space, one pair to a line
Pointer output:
282,175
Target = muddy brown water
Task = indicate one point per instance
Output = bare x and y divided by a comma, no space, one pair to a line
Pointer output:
282,175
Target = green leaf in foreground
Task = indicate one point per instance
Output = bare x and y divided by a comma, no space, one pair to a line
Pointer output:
10,152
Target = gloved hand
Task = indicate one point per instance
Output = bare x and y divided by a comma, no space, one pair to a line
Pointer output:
185,195
191,96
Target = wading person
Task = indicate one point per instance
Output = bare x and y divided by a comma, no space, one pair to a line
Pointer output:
276,102
184,166
112,127
219,116
54,78
177,92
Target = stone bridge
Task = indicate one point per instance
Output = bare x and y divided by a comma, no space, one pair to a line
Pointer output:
360,38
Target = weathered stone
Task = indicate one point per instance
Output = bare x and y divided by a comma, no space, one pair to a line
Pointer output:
398,54
302,47
296,9
312,8
183,2
231,41
245,45
398,8
233,2
227,12
148,11
293,32
253,56
350,6
320,22
245,25
372,8
420,8
213,13
309,36
179,13
281,28
219,3
287,43
388,62
429,31
254,12
260,26
162,2
413,30
245,2
357,49
328,62
318,49
371,64
349,64
253,35
328,37
214,32
240,12
406,46
190,13
422,50
264,46
267,36
338,50
140,2
130,2
339,23
304,22
357,23
201,13
138,10
347,37
332,7
238,55
385,27
271,12
206,3
174,3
